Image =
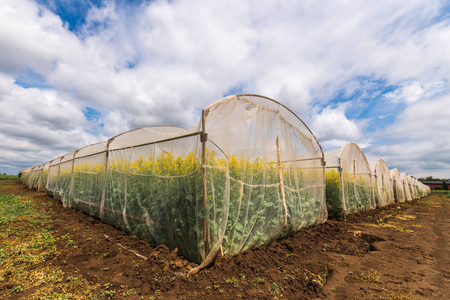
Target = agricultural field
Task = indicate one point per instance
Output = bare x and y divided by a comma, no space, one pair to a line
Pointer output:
9,177
50,252
444,192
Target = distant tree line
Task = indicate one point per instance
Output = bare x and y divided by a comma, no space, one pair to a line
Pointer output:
431,178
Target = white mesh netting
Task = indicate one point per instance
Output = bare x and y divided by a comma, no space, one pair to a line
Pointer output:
348,181
382,183
250,172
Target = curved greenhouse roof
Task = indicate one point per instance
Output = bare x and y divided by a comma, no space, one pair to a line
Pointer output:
414,188
399,189
249,173
383,183
406,186
348,181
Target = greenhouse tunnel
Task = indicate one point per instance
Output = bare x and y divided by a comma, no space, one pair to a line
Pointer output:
406,186
249,173
348,181
414,187
399,190
382,183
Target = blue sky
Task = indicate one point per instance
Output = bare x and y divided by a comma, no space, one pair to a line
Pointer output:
376,73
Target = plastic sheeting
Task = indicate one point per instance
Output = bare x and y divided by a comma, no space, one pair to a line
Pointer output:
348,181
383,183
249,173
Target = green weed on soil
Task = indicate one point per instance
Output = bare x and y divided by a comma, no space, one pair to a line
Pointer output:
445,192
26,239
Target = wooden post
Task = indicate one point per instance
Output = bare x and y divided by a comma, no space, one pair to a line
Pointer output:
57,181
341,177
124,210
204,138
72,174
39,180
372,179
324,172
48,176
354,183
102,203
280,172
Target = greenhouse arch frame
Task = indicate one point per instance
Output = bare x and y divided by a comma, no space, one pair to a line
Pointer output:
383,183
249,173
349,187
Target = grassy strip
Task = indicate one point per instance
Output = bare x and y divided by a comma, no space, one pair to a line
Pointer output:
27,239
9,177
442,192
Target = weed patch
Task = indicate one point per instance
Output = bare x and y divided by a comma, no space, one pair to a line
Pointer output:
316,279
26,239
371,276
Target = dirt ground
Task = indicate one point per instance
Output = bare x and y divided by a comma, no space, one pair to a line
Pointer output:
397,252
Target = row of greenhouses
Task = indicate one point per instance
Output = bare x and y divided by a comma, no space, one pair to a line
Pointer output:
353,184
249,173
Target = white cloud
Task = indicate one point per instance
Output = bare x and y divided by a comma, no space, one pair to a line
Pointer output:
410,92
163,61
420,141
39,124
332,124
424,120
32,37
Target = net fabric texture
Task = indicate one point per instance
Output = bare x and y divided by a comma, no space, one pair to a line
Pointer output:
414,187
348,181
382,183
86,190
32,177
53,174
399,189
25,176
423,189
426,189
406,186
420,189
250,172
271,167
43,177
35,177
154,188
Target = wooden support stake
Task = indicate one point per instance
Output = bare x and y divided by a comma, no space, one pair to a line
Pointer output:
280,171
72,172
102,203
204,138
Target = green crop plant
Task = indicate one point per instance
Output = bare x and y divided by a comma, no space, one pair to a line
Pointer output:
160,198
356,194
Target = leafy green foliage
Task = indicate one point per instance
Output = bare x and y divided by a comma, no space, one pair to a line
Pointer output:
160,199
355,197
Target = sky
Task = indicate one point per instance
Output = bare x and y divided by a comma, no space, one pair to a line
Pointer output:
375,72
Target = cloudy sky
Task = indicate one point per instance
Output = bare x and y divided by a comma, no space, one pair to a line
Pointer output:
75,72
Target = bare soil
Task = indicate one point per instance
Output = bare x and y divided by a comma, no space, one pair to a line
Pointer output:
396,252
